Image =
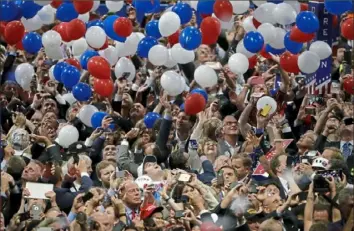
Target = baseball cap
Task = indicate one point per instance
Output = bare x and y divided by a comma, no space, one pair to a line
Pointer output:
320,162
147,211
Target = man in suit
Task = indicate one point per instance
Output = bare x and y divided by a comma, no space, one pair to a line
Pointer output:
229,144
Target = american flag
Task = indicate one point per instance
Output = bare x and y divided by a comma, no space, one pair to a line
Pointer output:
323,82
310,83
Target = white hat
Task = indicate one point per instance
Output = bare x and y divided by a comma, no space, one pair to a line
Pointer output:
320,162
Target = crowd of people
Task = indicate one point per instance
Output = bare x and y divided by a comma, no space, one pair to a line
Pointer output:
231,166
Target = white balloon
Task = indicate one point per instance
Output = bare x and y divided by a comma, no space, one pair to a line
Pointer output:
95,6
240,7
267,30
67,136
86,113
278,41
51,72
140,35
170,62
158,55
125,65
54,52
110,54
238,63
51,38
284,14
24,74
169,23
79,46
131,43
226,25
308,62
248,25
205,76
121,49
95,37
322,49
264,13
84,17
42,2
69,97
172,83
114,6
32,24
241,49
296,5
46,14
181,55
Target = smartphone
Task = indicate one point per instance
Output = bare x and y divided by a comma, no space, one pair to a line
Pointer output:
310,110
35,212
263,68
87,197
179,214
184,177
120,174
220,178
299,78
335,87
305,160
194,144
348,121
266,109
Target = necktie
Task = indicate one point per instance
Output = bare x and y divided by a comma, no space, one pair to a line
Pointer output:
133,214
347,150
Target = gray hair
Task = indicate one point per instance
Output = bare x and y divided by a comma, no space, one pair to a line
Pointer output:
344,195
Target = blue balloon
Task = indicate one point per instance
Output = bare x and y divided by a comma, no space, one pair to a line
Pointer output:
96,22
274,51
32,42
146,6
70,76
338,7
82,92
307,22
145,45
184,11
58,70
8,11
152,29
275,1
202,92
108,28
96,119
102,9
190,38
66,12
293,47
84,58
150,119
206,6
253,41
29,9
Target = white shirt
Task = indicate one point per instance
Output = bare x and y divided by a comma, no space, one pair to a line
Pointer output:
285,185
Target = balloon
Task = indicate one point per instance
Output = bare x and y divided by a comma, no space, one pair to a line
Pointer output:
347,29
308,62
125,65
56,3
123,27
114,6
32,42
67,136
248,25
29,9
202,92
150,119
181,55
108,28
223,10
23,74
152,29
95,22
170,62
240,7
84,17
307,22
268,32
95,37
238,63
42,3
145,45
85,114
146,6
295,5
14,32
61,29
95,6
288,62
74,62
82,92
264,13
190,38
79,46
297,35
172,83
338,7
51,72
194,104
173,39
252,62
184,11
274,51
8,11
83,7
293,47
210,28
322,49
70,76
130,46
205,7
264,53
348,85
278,42
32,24
253,41
86,56
110,54
96,119
54,53
169,23
103,87
66,12
46,15
158,55
99,67
241,49
76,29
284,14
205,76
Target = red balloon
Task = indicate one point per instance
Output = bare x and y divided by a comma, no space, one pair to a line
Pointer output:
105,45
347,28
297,35
103,87
348,85
304,6
288,62
61,29
83,7
2,27
252,61
194,104
74,62
123,26
209,40
256,23
14,32
99,67
223,10
76,29
56,3
210,28
264,53
174,38
19,45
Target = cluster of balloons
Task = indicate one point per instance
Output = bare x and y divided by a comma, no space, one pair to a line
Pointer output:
195,101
